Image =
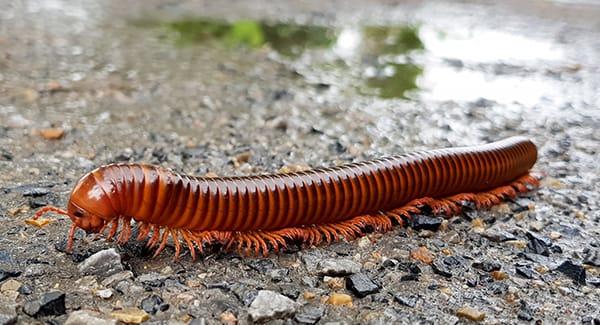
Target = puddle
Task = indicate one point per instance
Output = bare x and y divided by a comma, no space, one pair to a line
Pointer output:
412,62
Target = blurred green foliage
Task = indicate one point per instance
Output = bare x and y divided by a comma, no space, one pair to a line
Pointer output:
286,38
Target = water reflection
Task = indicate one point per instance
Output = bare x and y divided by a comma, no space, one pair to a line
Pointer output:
392,39
391,44
286,38
380,44
395,80
383,48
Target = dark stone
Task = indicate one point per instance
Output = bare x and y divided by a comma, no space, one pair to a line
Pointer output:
390,263
151,304
5,155
472,282
410,277
361,285
309,314
538,244
290,291
25,289
535,258
454,261
524,271
406,301
5,274
591,257
152,279
525,312
487,266
423,222
589,320
573,271
243,293
380,298
322,86
441,269
35,202
498,288
337,147
594,282
278,275
51,303
35,191
5,257
218,285
261,265
310,281
409,267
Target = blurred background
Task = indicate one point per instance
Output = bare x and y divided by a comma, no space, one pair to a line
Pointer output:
247,87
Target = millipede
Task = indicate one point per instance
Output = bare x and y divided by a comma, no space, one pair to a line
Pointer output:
263,213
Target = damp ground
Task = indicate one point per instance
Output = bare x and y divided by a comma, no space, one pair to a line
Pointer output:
246,88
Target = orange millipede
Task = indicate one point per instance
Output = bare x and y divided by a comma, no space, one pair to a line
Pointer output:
257,213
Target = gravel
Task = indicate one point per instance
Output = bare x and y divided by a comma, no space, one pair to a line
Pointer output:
85,317
103,264
361,285
338,267
270,305
87,83
8,312
51,303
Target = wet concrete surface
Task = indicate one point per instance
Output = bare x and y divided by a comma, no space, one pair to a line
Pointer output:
243,88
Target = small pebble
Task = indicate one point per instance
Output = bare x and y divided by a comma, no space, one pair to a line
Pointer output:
52,133
338,267
478,224
340,299
271,305
49,304
555,235
104,293
422,254
361,285
103,264
131,315
85,317
309,314
424,222
524,271
470,313
334,283
499,275
487,266
406,301
573,271
10,285
228,318
440,268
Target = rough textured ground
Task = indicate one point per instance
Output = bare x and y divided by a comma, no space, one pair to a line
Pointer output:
125,82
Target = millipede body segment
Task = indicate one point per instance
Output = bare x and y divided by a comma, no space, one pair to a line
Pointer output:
258,213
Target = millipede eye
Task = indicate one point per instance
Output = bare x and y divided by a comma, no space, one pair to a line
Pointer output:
78,214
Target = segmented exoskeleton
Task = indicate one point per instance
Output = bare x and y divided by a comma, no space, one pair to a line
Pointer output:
255,213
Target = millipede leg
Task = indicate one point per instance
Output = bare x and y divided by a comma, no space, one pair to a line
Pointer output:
163,242
71,237
175,236
186,237
113,230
